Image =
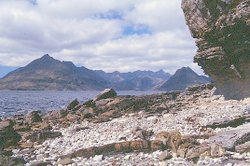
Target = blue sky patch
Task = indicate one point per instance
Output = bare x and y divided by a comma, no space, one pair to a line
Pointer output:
5,70
111,15
136,30
33,2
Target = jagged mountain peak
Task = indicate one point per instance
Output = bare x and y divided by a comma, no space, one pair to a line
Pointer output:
183,78
185,71
46,56
47,73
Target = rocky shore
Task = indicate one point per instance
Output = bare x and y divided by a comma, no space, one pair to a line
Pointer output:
193,127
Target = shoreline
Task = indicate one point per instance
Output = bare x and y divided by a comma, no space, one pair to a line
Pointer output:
42,101
138,128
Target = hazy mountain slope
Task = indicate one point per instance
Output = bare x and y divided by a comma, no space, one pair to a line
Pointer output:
183,78
138,80
5,70
47,73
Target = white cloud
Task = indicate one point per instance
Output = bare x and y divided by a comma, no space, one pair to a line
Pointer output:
75,31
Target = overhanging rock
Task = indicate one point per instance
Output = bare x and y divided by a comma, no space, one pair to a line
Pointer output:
222,30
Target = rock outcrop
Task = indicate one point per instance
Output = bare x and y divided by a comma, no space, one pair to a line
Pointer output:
192,127
222,30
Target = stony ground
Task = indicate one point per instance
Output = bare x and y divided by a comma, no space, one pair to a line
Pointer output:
200,115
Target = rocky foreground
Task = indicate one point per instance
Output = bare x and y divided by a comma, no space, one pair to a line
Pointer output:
189,128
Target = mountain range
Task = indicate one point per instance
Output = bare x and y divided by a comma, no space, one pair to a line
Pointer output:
47,73
138,80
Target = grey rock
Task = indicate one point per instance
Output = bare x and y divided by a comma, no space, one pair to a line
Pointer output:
165,155
229,139
98,158
43,135
242,148
228,122
5,124
88,113
40,163
141,133
65,161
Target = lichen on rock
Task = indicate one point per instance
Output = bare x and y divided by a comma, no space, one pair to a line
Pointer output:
222,30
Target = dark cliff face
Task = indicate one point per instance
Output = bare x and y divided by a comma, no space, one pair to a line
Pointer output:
47,73
222,30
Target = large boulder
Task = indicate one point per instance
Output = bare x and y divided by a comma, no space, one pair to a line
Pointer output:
222,30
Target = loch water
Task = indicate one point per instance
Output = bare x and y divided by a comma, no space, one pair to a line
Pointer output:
21,102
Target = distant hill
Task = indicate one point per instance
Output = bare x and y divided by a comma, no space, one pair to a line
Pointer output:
138,80
5,70
47,73
183,78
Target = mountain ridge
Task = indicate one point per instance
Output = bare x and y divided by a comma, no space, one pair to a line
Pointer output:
47,73
137,80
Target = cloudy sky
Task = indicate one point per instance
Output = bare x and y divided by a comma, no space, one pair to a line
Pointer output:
122,35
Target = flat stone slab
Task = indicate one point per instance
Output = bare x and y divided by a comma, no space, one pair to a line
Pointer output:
229,139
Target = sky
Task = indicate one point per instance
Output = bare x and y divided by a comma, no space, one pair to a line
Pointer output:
112,35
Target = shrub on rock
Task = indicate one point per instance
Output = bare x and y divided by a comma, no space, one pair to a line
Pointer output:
107,93
8,137
73,104
33,117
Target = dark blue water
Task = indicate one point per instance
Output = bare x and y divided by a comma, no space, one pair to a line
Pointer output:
21,102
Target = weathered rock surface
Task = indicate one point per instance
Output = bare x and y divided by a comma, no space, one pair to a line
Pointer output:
104,132
121,147
245,147
41,136
222,30
229,139
228,122
65,161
